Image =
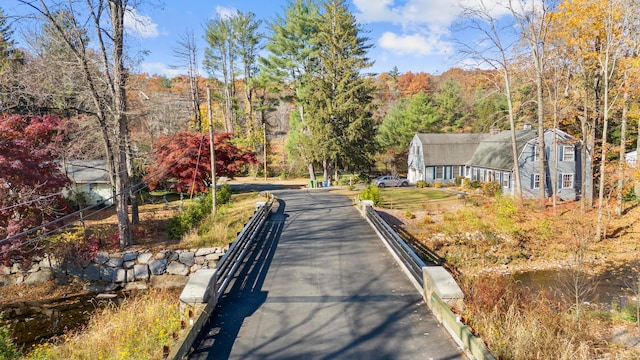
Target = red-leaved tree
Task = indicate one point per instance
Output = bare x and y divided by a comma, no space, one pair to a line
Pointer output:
185,158
30,180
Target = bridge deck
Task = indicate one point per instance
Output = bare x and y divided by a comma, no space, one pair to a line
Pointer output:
320,285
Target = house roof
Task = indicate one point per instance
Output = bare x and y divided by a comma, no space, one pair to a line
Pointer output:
87,171
449,149
496,152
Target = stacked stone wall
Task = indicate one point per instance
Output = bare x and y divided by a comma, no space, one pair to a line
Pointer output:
110,271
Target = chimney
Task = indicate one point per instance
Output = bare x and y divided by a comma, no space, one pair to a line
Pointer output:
494,130
526,126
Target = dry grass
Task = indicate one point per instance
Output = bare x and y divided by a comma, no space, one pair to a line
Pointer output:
488,239
222,229
141,328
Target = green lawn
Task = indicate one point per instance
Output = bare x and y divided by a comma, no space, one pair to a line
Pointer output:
413,199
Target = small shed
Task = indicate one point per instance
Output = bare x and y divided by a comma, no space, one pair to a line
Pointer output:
90,182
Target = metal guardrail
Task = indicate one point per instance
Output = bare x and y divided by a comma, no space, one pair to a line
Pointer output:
408,257
222,276
232,259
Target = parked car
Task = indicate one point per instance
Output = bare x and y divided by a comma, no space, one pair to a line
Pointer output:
385,181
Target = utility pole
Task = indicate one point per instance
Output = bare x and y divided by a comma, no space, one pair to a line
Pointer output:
264,141
213,153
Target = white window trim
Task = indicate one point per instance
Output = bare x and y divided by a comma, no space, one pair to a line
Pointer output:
572,179
564,153
536,181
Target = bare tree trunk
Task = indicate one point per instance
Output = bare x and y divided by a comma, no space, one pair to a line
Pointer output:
623,146
117,9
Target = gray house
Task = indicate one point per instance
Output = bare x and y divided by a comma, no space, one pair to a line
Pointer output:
493,161
90,182
441,157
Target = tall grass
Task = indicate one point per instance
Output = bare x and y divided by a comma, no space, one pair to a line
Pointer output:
221,229
140,328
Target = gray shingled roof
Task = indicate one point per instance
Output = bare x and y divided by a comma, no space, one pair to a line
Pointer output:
495,152
88,171
449,149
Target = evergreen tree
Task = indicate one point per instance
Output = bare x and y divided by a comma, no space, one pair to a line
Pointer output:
340,97
408,117
292,56
449,103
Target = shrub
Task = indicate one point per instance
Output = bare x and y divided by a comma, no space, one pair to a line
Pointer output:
491,189
409,214
422,184
475,184
197,211
371,192
8,349
437,185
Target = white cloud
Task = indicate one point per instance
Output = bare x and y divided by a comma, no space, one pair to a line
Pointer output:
412,14
160,69
415,44
225,13
140,24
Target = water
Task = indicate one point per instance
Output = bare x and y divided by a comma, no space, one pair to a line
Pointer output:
608,288
38,321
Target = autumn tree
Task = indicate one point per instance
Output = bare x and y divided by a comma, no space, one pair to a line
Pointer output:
185,158
31,181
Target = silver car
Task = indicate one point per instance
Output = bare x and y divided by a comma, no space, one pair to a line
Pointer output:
385,181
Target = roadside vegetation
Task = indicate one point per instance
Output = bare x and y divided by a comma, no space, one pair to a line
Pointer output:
485,240
142,326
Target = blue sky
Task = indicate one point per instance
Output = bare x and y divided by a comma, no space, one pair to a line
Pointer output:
413,35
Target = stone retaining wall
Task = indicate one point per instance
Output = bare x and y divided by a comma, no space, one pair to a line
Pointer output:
128,269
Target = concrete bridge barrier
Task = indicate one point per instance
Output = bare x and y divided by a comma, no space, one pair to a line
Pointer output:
438,287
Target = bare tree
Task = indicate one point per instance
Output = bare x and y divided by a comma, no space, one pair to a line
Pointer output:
533,24
493,51
186,53
106,87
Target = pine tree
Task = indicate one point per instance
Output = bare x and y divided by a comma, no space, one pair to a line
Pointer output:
340,107
293,55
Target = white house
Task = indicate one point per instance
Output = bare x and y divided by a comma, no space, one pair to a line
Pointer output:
90,182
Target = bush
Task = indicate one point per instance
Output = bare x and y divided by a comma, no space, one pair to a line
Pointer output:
491,189
409,215
8,349
422,184
475,184
371,192
437,185
197,211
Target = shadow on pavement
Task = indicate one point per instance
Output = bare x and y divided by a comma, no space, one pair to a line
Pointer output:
244,296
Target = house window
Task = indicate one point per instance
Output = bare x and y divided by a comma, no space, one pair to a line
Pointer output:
481,177
456,172
567,181
505,180
439,172
568,153
475,174
535,181
93,187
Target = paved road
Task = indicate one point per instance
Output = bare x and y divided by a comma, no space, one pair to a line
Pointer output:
321,285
